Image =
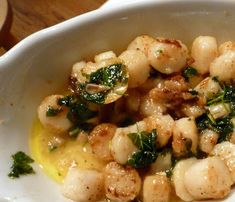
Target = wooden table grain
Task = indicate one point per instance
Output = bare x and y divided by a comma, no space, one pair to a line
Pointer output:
30,16
5,22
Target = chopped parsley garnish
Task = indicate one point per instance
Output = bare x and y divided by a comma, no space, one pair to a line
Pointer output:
189,72
114,74
52,111
21,165
109,76
223,126
146,143
97,98
141,159
144,140
78,111
227,96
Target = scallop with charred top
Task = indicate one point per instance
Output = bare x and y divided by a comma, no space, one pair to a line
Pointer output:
100,140
121,183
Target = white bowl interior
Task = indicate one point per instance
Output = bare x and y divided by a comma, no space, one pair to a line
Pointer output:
40,66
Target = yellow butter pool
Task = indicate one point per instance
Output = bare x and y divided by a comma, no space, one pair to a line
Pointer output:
57,162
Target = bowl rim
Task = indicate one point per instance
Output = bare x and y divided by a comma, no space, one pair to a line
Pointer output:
82,19
38,37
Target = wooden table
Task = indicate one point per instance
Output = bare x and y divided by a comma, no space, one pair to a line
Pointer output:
32,15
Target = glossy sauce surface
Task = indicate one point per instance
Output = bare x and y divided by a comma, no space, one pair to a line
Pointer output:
56,162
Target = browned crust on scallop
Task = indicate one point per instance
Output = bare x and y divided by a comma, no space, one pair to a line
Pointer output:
169,41
99,140
121,183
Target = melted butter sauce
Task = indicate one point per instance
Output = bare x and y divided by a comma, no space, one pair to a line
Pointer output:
57,162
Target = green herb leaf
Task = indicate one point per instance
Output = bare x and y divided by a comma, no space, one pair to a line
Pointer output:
146,143
141,159
226,96
216,99
223,126
144,140
203,122
67,101
189,72
52,111
78,112
109,76
229,94
21,165
97,98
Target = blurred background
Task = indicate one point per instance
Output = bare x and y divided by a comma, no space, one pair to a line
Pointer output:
29,16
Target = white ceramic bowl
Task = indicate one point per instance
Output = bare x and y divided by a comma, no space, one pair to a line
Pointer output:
40,64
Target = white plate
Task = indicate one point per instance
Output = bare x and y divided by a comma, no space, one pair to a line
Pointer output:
25,71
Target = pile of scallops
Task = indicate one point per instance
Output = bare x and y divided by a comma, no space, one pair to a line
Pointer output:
158,97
